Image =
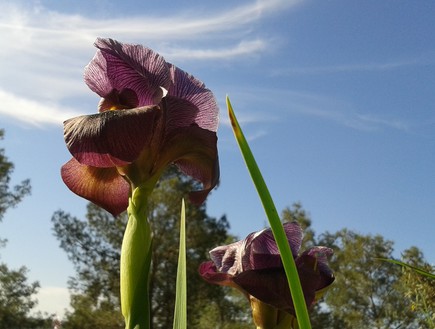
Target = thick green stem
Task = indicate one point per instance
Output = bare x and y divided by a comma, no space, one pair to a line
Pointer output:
136,255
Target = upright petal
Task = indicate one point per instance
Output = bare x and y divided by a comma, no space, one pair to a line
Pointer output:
190,102
95,75
135,67
262,251
110,138
228,258
102,186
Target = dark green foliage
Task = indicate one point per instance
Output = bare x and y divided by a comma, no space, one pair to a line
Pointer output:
16,298
16,294
94,245
419,289
9,197
368,293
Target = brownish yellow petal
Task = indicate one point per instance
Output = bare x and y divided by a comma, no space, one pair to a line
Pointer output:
102,186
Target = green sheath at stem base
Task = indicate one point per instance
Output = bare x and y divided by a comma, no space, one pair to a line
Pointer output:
136,254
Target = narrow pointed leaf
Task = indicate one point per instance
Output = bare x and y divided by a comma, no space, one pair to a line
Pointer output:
414,268
180,314
275,223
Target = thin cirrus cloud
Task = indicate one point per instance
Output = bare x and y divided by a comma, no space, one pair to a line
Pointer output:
32,112
359,67
70,31
317,106
244,48
340,112
47,49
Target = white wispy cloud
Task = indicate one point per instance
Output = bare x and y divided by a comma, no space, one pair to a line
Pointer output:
282,103
244,48
339,111
388,65
47,50
75,32
33,112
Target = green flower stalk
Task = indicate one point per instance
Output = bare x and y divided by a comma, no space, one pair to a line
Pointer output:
151,114
136,255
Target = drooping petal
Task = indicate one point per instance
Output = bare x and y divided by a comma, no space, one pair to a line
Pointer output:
190,102
194,151
315,260
102,186
209,273
135,67
110,138
269,286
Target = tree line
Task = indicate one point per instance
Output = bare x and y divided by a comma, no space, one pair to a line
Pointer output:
367,293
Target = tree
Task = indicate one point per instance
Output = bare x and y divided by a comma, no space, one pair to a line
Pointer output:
93,245
16,294
16,298
368,293
9,197
419,289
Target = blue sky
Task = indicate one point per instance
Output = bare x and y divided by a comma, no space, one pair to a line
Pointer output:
336,98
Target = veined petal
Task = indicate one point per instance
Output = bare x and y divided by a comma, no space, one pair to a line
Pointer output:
102,186
190,102
110,138
209,273
135,67
124,99
228,258
194,151
315,260
262,251
95,75
269,286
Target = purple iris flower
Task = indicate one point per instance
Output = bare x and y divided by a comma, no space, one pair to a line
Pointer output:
151,114
254,266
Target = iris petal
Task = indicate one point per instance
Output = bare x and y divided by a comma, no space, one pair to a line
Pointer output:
190,102
268,285
135,67
228,258
194,151
102,186
320,266
110,138
209,272
96,76
255,268
262,250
